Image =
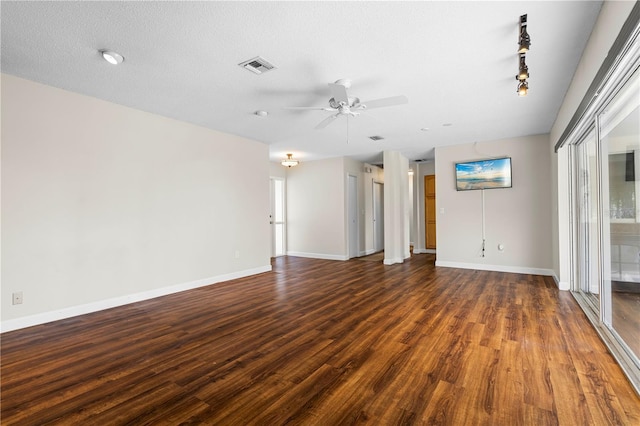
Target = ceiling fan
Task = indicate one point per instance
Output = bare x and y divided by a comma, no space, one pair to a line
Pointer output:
342,104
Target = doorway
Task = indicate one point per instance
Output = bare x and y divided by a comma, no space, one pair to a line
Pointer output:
378,216
277,217
352,212
430,212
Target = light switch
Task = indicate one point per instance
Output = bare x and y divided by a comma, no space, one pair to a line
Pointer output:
441,210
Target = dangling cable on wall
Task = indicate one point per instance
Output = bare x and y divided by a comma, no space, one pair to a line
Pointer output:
483,225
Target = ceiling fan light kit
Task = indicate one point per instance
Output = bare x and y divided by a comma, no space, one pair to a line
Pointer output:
524,43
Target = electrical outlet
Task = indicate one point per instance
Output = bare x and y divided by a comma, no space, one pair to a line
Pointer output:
17,298
237,254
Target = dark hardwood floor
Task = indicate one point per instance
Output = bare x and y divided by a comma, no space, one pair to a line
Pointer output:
324,343
626,318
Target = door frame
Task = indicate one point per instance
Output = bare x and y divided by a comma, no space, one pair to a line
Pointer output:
378,238
272,222
353,229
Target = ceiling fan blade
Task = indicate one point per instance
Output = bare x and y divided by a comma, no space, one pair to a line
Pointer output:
385,102
339,93
324,123
312,108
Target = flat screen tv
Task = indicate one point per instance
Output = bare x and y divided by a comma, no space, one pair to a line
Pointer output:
484,174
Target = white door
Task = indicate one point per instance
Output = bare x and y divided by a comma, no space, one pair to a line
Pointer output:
277,217
378,216
352,214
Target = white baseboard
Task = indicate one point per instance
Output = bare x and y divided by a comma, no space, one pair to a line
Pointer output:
318,255
393,261
73,311
367,252
562,285
497,268
424,251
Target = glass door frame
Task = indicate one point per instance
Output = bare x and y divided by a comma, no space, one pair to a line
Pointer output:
577,273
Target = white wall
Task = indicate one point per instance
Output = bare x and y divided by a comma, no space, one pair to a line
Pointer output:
610,20
277,170
518,217
316,209
104,204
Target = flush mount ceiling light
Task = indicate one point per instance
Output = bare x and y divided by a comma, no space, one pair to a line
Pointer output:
289,161
113,58
261,113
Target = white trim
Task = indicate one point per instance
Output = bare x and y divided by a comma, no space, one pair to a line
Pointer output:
393,261
424,251
72,311
497,268
318,255
367,252
562,285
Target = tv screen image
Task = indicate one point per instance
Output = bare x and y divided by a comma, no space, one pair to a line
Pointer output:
484,174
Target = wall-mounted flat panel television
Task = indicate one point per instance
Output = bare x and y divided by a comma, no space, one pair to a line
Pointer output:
484,174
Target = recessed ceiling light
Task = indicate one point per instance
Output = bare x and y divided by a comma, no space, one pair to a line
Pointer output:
425,129
261,113
112,57
447,124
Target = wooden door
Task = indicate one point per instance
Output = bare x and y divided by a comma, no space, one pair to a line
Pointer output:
430,211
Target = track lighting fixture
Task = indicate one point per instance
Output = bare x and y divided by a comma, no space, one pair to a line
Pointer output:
289,161
523,70
525,40
523,88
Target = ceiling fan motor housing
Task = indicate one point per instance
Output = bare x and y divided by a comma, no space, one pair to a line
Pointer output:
352,103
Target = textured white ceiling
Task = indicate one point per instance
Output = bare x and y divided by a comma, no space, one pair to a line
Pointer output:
455,61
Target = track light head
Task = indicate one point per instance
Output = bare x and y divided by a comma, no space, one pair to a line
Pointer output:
523,88
523,72
525,40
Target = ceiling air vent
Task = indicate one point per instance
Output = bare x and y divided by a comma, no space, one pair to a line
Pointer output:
257,65
376,138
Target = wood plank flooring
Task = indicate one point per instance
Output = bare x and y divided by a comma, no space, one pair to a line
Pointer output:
320,342
626,318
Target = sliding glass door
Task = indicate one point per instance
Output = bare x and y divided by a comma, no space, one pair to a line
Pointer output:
619,125
606,221
604,184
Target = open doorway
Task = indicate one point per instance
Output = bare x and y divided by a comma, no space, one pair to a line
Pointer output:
378,216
